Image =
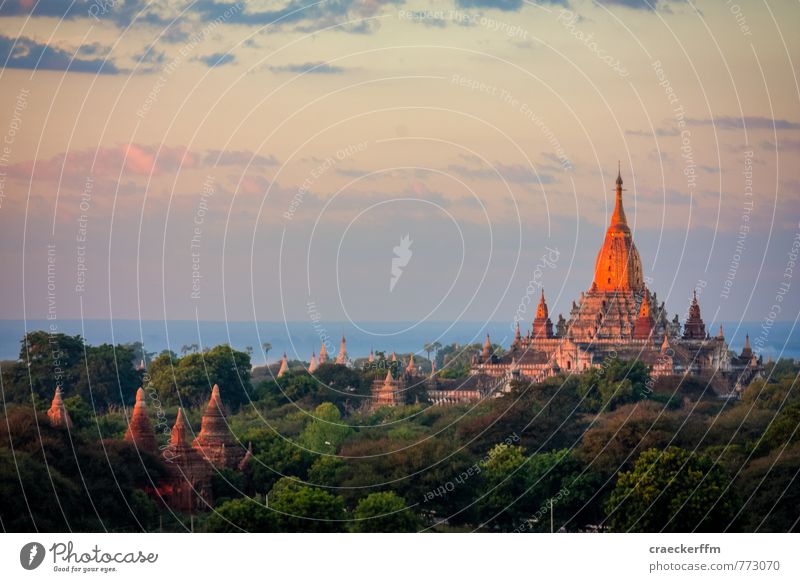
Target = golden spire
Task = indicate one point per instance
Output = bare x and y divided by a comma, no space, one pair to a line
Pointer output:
618,218
618,266
542,311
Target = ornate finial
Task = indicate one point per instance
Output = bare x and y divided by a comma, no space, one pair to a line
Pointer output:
284,366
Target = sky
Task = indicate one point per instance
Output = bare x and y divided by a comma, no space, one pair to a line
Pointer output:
393,161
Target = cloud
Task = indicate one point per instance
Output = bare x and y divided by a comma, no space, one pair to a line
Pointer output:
647,133
751,122
296,12
216,59
515,173
634,4
504,5
299,14
784,145
130,160
121,12
238,158
314,68
25,53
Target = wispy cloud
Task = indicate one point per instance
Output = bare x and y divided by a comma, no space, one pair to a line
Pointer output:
515,173
216,59
749,121
314,68
26,53
660,132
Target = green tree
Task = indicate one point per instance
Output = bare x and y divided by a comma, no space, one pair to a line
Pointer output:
384,511
306,509
189,379
326,432
614,383
503,504
673,491
243,514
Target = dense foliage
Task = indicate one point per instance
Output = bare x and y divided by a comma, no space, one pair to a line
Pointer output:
604,451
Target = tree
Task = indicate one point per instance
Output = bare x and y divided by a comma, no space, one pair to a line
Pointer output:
384,512
614,383
306,509
671,490
266,346
189,379
428,349
503,504
244,514
326,432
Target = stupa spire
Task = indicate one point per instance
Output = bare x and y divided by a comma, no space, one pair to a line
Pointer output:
284,366
517,337
618,266
313,365
140,431
410,368
323,354
341,358
58,415
215,440
178,436
619,218
541,310
487,348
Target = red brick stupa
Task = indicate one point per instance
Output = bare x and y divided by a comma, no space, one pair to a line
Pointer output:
188,484
58,415
140,431
215,441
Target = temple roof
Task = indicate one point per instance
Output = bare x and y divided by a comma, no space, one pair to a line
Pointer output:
618,266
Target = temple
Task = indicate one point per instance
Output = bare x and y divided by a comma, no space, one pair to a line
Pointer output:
619,317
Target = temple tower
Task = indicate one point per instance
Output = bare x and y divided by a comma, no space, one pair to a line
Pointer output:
341,357
643,328
140,431
58,415
189,475
215,440
284,366
618,266
542,326
694,328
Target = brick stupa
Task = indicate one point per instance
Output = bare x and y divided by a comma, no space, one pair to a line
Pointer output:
215,441
140,431
58,415
188,485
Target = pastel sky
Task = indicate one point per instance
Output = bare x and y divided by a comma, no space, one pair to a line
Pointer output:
174,159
